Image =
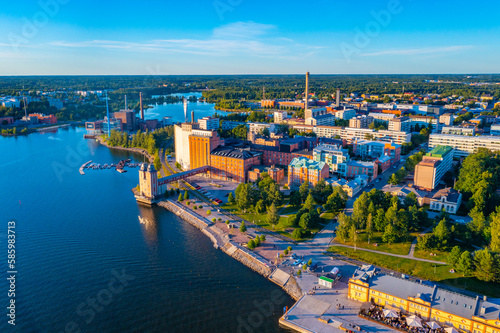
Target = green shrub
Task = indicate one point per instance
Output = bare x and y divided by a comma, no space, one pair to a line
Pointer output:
285,252
251,244
209,212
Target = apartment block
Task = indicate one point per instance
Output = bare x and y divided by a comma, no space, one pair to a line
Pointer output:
279,116
355,168
209,123
458,130
465,145
400,124
433,166
360,121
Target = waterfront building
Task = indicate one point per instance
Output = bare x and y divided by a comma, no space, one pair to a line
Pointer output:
433,166
181,138
148,181
44,119
201,143
127,119
209,123
228,163
464,145
302,169
428,301
6,121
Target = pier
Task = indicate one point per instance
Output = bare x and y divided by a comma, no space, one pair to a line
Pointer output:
84,165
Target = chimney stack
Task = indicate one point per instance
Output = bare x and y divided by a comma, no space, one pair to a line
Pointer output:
307,92
192,117
125,102
338,98
142,108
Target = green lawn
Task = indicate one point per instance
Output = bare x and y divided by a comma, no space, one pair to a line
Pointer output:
397,248
289,210
423,270
328,215
437,255
283,227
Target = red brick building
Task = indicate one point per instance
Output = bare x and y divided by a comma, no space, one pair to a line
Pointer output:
228,163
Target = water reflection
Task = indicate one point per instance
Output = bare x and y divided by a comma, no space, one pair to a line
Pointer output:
149,224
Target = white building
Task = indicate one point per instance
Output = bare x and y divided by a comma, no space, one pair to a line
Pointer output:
495,130
321,120
345,114
257,127
458,130
209,123
447,199
465,145
181,135
279,116
385,117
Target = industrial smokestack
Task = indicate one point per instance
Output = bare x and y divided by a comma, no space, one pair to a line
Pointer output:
338,98
142,108
125,102
307,91
192,117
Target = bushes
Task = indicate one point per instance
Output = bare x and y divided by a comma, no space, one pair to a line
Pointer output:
297,234
209,212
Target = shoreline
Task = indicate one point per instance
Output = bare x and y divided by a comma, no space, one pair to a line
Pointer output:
141,151
246,257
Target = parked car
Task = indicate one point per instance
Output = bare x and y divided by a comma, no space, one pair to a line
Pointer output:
294,256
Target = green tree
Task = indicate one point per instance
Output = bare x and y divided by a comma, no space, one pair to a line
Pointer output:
369,227
380,221
157,162
295,199
230,198
297,234
486,266
360,210
309,204
464,265
410,200
181,198
305,221
390,234
273,216
259,207
495,232
186,195
343,227
454,256
243,227
304,190
442,233
251,244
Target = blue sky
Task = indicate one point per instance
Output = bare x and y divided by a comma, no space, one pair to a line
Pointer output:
248,37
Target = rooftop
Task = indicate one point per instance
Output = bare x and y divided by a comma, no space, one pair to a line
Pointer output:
234,153
440,151
304,162
449,193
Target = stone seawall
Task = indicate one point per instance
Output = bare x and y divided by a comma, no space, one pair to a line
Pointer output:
248,258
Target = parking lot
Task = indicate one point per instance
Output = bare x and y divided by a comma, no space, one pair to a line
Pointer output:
213,188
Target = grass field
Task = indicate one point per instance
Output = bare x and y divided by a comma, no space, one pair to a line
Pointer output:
423,270
397,248
437,255
283,227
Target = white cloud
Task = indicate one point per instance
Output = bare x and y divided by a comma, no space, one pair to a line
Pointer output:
240,38
428,50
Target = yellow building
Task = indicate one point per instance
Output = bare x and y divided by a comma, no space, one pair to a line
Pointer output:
430,302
